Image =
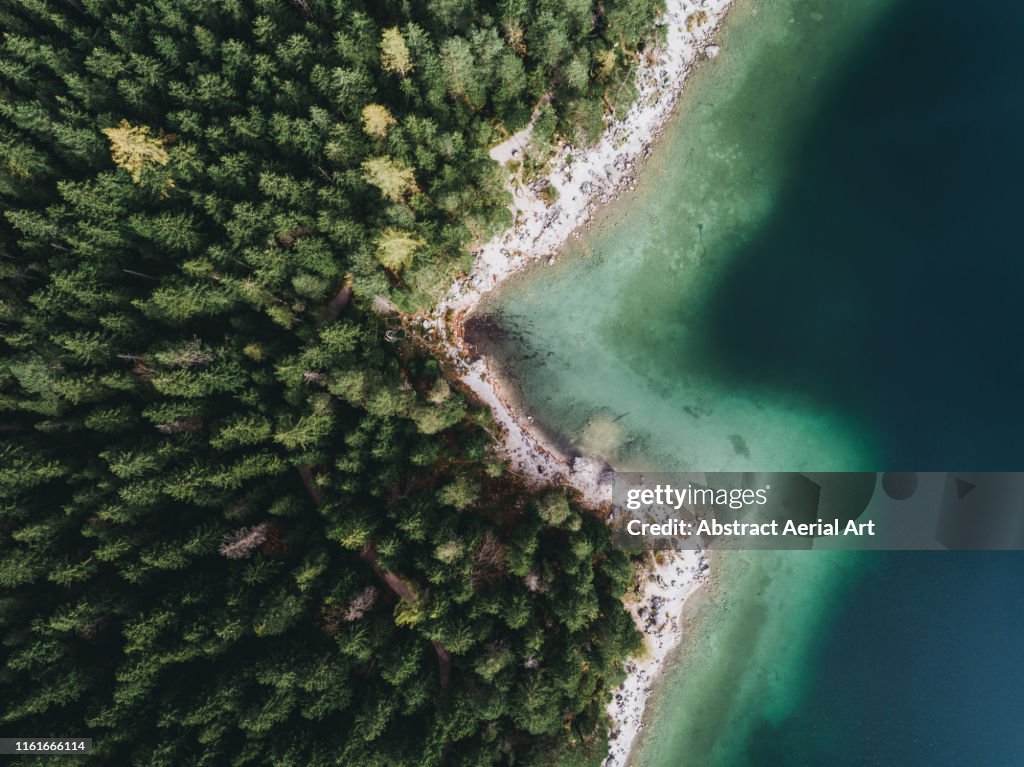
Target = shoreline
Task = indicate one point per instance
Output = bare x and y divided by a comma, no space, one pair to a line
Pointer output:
585,180
662,592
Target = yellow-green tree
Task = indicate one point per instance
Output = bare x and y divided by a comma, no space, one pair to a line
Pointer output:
395,180
394,53
377,120
396,248
135,149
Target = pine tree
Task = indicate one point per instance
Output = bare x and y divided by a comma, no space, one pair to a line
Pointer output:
134,149
394,54
377,120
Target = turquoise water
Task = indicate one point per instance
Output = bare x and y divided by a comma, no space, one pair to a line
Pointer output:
846,659
608,345
821,272
750,658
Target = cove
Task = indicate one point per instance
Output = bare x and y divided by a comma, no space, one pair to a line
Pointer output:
822,269
610,347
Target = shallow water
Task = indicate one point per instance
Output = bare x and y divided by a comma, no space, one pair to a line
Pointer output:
749,658
849,659
610,344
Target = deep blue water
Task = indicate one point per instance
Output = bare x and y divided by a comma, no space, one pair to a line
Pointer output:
923,666
889,281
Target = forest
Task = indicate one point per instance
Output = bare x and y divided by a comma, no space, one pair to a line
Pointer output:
242,522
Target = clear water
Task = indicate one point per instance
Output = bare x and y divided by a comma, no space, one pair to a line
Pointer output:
849,659
609,346
750,659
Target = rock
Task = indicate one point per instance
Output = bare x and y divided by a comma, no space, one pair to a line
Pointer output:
711,51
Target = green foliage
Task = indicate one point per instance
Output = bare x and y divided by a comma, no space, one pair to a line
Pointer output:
245,520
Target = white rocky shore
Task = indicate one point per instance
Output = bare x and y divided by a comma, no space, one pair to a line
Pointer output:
661,589
583,180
